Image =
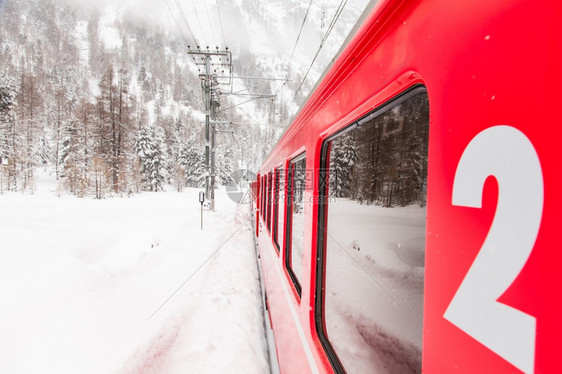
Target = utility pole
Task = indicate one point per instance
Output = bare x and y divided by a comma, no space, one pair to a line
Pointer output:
215,69
218,71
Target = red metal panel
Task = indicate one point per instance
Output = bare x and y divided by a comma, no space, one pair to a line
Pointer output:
484,64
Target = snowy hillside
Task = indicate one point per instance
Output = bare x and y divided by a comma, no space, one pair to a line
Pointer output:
79,81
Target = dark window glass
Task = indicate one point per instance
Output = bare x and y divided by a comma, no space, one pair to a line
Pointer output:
374,241
269,200
295,219
262,197
266,200
279,211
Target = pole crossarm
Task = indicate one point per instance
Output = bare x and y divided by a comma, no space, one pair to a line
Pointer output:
215,62
258,78
210,64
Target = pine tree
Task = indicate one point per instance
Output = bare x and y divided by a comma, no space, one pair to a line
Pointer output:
7,127
7,102
342,160
192,161
151,152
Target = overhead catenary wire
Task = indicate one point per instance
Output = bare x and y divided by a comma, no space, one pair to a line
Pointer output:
220,23
198,19
298,38
210,24
186,23
330,28
176,22
294,48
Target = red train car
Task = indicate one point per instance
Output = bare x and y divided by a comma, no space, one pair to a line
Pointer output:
407,219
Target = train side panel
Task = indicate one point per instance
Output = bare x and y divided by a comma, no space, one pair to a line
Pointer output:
492,253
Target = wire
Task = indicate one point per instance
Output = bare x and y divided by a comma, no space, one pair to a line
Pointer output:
220,22
293,51
186,23
210,23
368,273
195,272
167,72
294,48
330,28
298,37
198,19
177,24
244,102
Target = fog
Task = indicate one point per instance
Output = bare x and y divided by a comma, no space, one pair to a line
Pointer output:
268,27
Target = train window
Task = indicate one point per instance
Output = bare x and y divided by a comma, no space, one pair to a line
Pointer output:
269,200
294,241
266,200
263,197
278,206
372,240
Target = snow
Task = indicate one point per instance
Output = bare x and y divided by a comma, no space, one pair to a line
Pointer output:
128,285
374,285
108,33
81,33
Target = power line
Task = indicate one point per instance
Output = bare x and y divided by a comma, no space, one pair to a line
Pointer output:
244,102
198,19
330,28
177,24
210,23
298,37
185,21
220,22
294,48
335,19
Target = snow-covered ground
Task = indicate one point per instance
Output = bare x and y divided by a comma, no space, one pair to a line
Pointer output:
374,286
128,285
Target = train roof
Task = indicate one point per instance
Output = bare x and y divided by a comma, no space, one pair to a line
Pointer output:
360,21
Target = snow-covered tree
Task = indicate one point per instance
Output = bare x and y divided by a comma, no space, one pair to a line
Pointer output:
342,159
192,161
151,152
8,146
7,102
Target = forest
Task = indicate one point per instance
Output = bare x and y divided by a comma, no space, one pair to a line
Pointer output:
384,160
110,105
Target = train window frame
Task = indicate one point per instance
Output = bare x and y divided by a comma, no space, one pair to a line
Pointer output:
263,198
322,216
288,252
266,202
278,208
269,200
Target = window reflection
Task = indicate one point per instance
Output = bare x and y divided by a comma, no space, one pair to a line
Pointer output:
375,241
297,181
279,207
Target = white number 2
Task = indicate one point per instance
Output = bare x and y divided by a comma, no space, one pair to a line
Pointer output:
508,155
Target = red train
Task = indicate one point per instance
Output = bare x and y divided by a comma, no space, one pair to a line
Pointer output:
408,218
